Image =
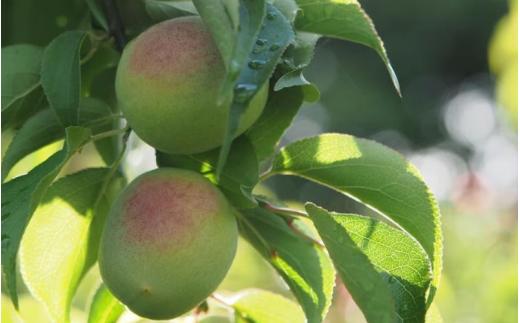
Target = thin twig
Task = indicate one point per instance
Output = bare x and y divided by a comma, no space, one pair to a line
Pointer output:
115,23
109,133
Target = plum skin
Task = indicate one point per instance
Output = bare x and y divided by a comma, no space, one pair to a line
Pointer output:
167,84
168,242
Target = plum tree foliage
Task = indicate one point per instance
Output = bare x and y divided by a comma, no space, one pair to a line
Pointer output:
212,85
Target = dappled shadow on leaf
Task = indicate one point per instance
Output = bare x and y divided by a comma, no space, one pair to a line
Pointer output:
373,175
304,265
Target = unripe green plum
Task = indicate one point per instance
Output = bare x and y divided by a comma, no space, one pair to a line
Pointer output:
169,240
167,84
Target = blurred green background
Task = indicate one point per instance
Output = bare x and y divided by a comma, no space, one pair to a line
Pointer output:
456,120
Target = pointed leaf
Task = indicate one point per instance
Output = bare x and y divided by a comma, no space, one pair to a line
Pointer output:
105,308
385,270
344,19
20,198
376,176
303,265
60,75
20,73
61,241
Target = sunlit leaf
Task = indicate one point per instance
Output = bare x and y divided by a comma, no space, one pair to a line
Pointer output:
62,239
302,263
376,176
105,308
261,306
20,198
385,270
344,19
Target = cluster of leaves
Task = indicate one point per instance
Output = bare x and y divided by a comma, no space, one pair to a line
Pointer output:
64,91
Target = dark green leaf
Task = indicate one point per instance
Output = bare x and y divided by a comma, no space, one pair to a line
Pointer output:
62,239
275,35
22,95
276,118
105,57
20,198
260,306
21,66
344,19
385,270
61,77
376,176
238,178
105,308
303,264
163,10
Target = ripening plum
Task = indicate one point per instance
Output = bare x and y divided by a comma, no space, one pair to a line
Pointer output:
169,240
167,84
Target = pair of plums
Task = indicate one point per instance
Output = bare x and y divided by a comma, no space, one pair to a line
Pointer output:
171,235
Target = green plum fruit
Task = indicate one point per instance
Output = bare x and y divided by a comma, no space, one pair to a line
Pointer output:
167,84
168,242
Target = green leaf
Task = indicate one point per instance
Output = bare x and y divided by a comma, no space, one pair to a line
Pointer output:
41,129
343,19
20,198
385,270
105,308
278,114
238,178
376,176
104,58
275,35
260,306
296,78
221,18
61,77
20,73
303,264
61,241
163,10
300,53
44,128
22,94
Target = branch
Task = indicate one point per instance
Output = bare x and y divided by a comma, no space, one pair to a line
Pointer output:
115,24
